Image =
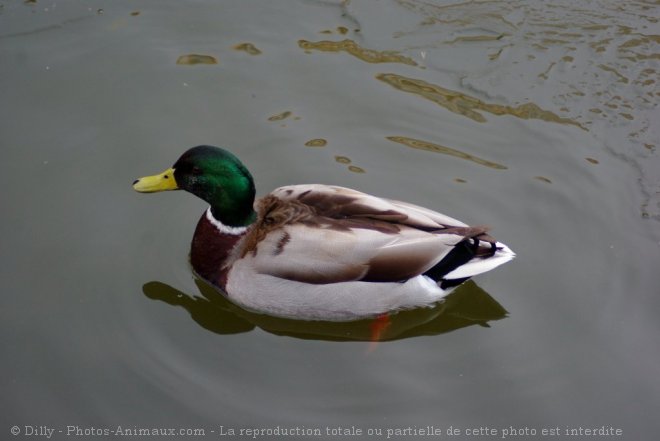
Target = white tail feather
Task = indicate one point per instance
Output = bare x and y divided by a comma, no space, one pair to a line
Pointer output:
480,265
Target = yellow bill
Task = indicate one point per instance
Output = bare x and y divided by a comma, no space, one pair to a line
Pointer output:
162,182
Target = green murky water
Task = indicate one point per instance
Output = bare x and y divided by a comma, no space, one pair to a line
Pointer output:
537,119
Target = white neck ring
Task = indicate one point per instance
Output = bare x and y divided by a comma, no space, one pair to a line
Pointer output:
224,229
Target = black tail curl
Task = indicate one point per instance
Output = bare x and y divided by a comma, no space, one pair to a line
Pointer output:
462,253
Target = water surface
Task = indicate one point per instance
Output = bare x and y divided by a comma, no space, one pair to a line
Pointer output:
532,117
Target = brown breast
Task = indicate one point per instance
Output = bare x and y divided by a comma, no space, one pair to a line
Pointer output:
209,251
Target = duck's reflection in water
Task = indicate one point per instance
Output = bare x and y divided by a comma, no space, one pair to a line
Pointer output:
468,305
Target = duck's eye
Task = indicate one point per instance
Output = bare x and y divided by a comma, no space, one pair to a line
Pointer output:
196,171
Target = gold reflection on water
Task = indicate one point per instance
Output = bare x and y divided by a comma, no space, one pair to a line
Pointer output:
648,72
635,42
466,105
247,47
319,142
351,47
431,147
553,41
544,75
582,55
497,54
475,38
620,77
600,45
280,116
191,59
346,160
340,30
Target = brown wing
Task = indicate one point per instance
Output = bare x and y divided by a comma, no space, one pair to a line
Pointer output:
321,234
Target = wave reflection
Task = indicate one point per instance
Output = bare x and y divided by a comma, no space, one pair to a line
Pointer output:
468,305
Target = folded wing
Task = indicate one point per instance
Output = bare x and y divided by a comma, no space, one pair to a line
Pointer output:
326,234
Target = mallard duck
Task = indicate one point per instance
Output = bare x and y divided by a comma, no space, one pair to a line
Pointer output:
320,252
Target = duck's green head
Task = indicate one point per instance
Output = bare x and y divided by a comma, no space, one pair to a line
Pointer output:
214,175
